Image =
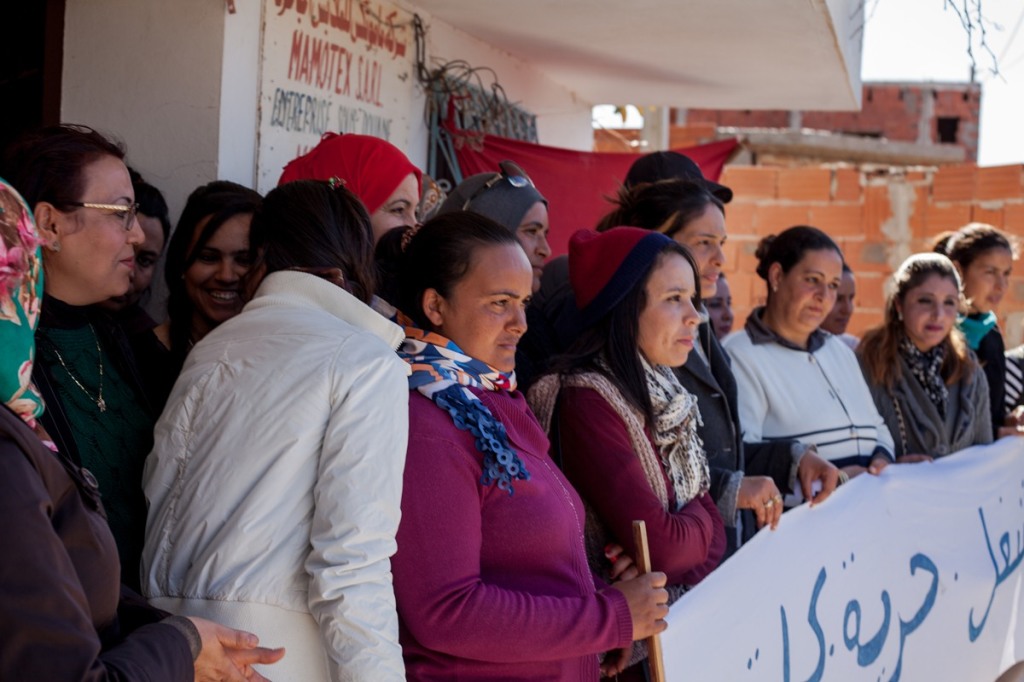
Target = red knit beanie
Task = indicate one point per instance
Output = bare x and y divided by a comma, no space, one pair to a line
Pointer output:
605,266
372,168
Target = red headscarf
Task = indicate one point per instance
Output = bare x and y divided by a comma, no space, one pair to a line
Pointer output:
372,168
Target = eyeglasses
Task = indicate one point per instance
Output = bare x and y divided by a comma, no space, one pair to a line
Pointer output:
510,171
125,213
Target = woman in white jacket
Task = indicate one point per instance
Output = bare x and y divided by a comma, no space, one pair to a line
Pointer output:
275,482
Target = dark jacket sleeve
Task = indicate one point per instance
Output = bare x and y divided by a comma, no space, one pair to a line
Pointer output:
46,628
770,458
600,462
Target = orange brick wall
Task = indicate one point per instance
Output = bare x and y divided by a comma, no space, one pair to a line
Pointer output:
893,111
877,218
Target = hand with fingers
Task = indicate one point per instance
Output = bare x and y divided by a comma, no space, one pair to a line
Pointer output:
760,495
228,655
813,468
648,603
623,566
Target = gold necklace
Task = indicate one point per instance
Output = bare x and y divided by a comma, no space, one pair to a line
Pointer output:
100,402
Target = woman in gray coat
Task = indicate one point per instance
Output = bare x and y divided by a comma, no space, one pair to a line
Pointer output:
925,382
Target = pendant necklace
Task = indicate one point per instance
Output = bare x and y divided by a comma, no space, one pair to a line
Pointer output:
100,402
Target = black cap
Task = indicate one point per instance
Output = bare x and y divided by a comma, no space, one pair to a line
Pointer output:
672,166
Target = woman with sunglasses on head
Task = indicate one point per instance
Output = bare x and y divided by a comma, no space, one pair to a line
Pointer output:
207,258
509,198
507,594
795,381
984,257
925,382
63,615
98,410
275,480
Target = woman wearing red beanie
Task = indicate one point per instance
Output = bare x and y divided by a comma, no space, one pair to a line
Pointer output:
624,425
375,170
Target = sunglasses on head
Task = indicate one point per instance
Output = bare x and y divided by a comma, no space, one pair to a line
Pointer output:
510,171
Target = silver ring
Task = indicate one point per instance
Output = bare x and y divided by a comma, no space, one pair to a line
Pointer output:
769,503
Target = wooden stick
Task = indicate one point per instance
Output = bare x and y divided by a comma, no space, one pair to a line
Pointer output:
643,563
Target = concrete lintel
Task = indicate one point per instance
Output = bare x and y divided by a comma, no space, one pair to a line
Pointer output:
833,146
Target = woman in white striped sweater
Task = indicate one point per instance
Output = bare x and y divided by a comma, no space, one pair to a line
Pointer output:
796,381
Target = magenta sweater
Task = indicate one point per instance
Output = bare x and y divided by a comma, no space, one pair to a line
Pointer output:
491,586
598,458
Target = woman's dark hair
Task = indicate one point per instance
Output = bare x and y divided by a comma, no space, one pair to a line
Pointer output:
615,338
789,246
314,225
972,240
219,200
151,201
47,164
879,349
666,206
440,253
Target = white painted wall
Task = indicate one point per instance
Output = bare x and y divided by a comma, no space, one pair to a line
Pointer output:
563,118
149,72
239,94
179,83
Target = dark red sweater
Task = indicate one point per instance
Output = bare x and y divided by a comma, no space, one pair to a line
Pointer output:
491,586
598,458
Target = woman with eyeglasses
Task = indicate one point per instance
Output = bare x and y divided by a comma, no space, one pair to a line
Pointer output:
207,260
63,614
98,410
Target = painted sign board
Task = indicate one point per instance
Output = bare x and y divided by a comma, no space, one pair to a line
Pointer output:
332,66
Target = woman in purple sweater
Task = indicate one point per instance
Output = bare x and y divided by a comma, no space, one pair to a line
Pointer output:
626,428
491,576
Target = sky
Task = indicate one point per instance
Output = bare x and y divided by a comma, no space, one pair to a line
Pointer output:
921,40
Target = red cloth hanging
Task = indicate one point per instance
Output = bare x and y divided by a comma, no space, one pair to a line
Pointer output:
575,183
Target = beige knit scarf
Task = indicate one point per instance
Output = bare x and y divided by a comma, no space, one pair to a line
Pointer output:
677,417
675,432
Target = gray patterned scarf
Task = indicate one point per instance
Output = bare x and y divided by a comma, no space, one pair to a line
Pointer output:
927,369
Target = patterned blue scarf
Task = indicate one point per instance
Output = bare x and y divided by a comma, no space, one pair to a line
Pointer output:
441,371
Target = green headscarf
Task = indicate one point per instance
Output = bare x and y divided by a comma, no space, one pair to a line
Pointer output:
21,296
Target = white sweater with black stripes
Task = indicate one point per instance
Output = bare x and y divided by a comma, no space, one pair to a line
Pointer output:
818,398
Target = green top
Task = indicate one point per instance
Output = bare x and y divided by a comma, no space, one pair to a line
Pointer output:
112,444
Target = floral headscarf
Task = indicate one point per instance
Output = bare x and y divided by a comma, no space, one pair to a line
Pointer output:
21,296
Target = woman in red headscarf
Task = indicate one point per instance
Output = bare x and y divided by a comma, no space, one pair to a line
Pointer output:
375,170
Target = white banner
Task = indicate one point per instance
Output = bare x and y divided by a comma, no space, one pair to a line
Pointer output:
911,575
